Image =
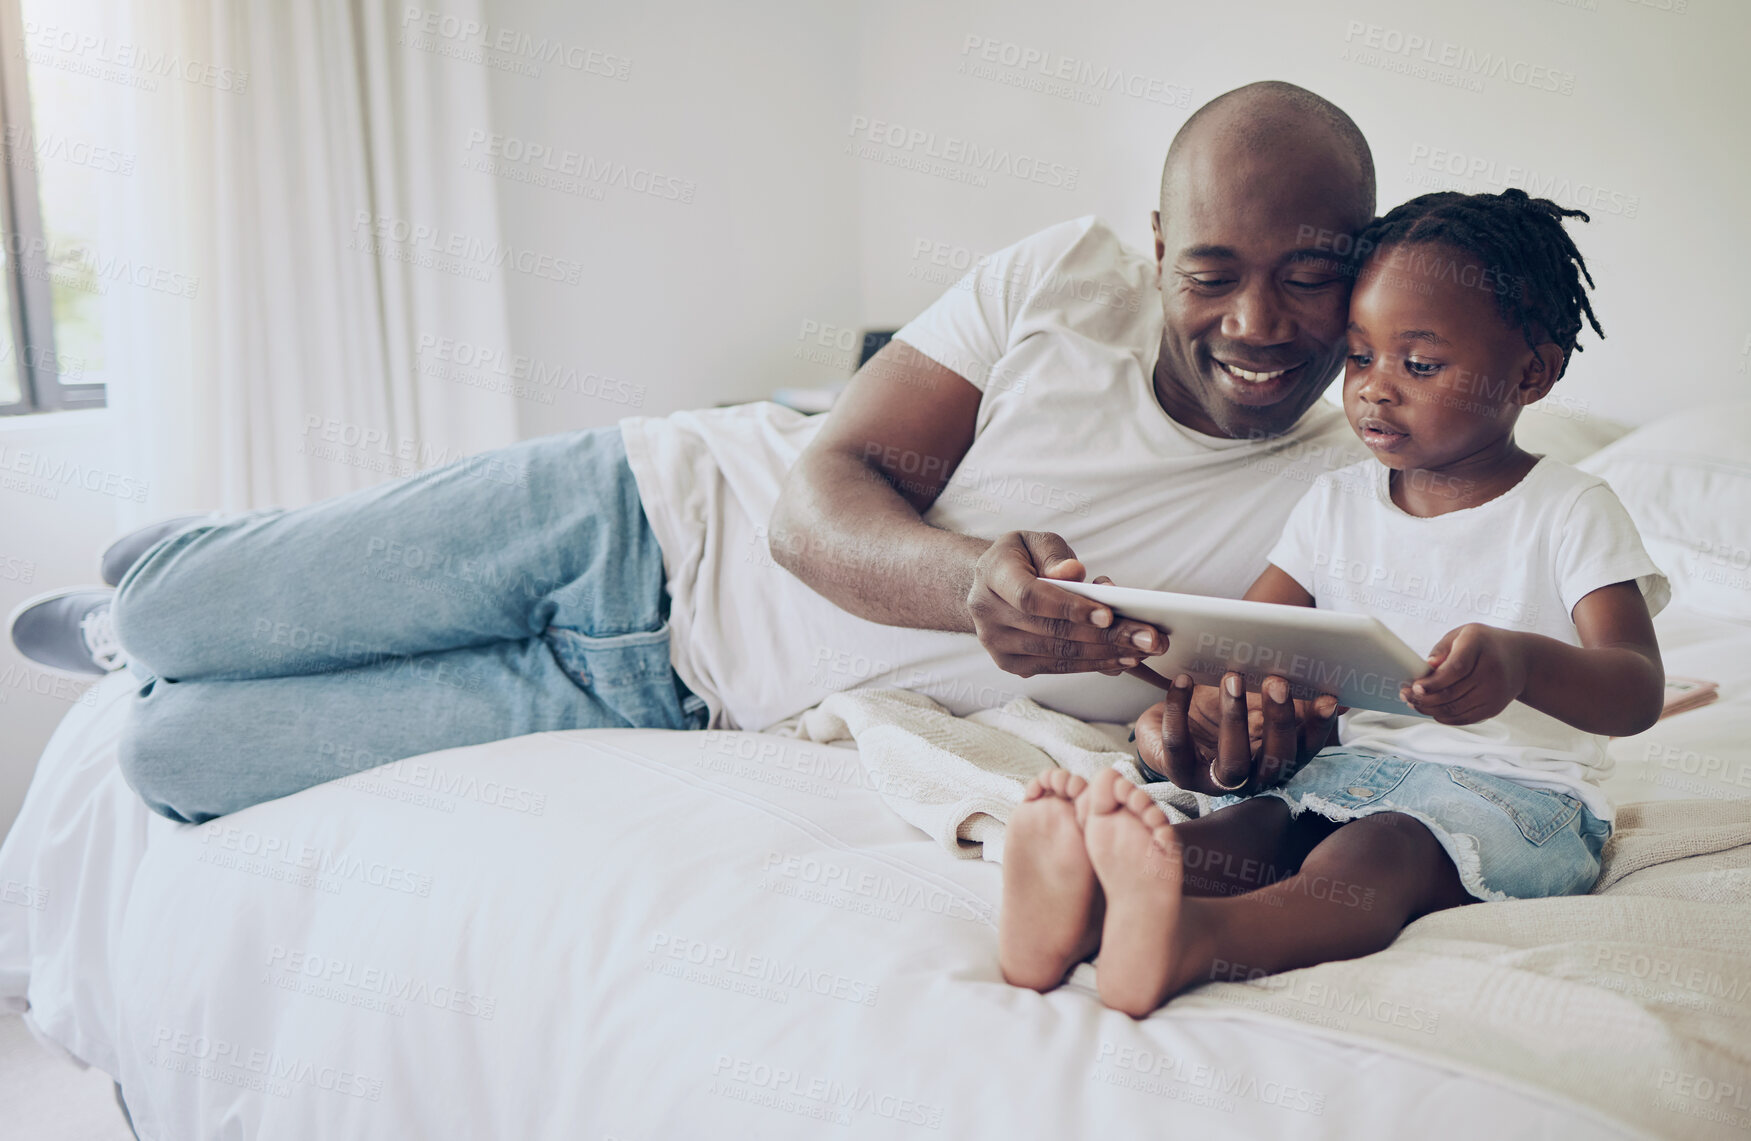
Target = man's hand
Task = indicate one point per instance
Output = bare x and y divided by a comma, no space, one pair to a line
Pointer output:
1030,628
1479,671
1213,740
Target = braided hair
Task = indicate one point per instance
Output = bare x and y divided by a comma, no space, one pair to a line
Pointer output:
1523,247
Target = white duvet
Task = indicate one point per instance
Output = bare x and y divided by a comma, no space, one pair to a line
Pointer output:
642,934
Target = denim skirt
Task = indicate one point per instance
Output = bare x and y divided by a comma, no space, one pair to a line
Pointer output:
1509,841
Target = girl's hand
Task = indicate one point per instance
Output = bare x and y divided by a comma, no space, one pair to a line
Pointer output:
1478,670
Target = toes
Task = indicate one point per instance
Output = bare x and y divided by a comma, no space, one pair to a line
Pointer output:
1031,977
1104,795
1057,782
1133,1005
1084,804
1141,805
1035,789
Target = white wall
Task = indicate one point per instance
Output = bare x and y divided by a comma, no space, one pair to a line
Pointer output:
755,104
685,304
51,531
1654,128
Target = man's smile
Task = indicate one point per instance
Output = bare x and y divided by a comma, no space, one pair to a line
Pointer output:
1252,377
1250,384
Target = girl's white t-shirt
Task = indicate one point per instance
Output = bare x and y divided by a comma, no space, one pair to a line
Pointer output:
1520,562
1060,333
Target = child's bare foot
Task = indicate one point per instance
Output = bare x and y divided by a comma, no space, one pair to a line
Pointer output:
1049,921
1137,859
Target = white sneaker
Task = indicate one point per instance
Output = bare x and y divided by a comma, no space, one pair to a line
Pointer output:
69,632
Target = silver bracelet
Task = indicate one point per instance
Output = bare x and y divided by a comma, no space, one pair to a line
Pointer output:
1150,775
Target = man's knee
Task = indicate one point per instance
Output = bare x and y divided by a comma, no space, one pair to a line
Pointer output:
158,764
139,614
159,777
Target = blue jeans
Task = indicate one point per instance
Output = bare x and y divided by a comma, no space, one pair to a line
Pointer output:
513,592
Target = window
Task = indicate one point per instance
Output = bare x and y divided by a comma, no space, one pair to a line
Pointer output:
51,340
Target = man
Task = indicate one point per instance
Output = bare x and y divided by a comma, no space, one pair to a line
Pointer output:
1160,414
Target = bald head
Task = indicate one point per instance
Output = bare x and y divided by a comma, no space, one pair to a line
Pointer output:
1273,118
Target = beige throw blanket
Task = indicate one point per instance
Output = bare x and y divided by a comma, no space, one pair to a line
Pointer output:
959,778
1632,1003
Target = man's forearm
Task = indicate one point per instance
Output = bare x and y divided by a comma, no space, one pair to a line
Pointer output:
842,529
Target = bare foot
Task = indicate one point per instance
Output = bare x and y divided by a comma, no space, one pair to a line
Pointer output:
1136,857
1050,920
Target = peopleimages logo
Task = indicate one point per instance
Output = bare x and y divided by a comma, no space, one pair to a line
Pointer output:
833,876
916,144
53,46
80,266
507,151
817,1095
1053,73
295,965
1477,169
389,236
767,969
521,373
253,851
1163,1067
1394,49
1307,677
424,29
38,472
24,148
235,1063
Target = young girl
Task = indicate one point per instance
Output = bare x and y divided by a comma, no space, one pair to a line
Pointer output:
1524,577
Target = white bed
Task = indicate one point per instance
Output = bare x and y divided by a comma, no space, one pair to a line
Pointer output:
543,930
643,934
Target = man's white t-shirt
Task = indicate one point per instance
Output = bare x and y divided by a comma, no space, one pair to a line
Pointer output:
1520,562
1060,333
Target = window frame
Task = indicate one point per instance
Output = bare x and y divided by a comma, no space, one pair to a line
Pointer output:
32,315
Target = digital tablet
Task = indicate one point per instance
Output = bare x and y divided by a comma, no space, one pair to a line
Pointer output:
1351,656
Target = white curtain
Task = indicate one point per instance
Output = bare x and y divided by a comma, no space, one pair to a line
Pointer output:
300,177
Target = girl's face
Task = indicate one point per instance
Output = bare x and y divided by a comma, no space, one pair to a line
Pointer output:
1435,377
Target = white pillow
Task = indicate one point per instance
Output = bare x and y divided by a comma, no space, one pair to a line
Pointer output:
1564,430
1686,480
